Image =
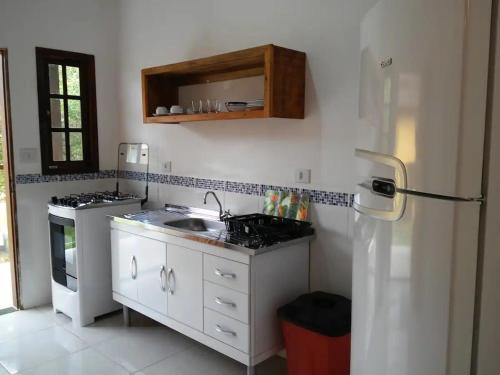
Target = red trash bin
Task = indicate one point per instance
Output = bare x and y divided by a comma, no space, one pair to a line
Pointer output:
316,328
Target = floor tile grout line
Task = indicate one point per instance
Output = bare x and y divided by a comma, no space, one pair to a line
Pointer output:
83,339
53,325
69,355
110,359
138,370
58,358
50,314
119,364
190,346
75,335
29,368
22,334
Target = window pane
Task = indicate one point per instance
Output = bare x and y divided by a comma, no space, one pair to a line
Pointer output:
55,79
57,113
76,147
74,113
73,80
58,146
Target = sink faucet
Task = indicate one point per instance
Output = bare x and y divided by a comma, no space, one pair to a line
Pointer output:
222,215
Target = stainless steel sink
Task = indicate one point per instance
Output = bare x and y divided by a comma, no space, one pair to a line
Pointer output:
197,224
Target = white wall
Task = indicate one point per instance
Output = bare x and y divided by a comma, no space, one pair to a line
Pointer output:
261,151
82,26
126,36
162,32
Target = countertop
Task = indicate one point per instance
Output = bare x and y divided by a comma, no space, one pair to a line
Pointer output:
157,220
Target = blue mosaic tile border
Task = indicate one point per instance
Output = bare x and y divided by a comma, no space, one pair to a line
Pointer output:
131,175
316,196
243,188
208,184
36,178
182,181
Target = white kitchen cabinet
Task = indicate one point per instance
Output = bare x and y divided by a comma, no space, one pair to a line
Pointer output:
222,298
185,286
151,274
123,248
139,269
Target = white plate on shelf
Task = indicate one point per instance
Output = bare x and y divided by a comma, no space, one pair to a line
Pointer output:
168,114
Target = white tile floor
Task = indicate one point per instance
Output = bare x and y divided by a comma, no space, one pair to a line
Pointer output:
38,341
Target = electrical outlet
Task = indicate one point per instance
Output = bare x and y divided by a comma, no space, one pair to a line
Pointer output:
167,167
28,155
303,176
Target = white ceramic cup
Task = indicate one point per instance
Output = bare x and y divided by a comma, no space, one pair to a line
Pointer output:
176,109
161,111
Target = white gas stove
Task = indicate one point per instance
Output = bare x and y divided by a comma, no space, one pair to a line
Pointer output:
80,252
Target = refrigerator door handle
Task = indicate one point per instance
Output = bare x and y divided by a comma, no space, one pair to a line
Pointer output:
452,198
386,187
400,182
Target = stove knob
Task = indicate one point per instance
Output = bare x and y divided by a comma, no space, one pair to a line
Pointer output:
54,200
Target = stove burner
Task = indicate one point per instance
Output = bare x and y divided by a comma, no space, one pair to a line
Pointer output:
85,199
258,230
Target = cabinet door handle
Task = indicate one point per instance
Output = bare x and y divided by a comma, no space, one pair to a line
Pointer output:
162,277
170,273
227,275
133,267
220,301
219,329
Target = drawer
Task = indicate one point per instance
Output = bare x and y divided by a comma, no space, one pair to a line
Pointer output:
225,272
226,301
227,330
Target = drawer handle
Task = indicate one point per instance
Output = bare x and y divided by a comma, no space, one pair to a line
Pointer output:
227,275
220,301
219,329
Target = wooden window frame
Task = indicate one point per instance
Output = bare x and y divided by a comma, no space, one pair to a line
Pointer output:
86,64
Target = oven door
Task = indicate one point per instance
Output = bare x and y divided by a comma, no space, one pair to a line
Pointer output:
63,251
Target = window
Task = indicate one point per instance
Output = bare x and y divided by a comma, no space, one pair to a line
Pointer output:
67,111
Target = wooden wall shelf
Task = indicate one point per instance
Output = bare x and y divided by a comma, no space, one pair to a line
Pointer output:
284,83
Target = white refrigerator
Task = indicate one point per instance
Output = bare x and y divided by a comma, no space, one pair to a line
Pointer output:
419,158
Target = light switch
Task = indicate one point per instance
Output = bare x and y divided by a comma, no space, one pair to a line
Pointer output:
167,167
28,155
303,176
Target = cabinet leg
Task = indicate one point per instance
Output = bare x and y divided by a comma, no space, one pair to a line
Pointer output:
126,316
251,370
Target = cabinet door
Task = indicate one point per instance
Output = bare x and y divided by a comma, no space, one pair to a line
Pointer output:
185,298
152,274
124,247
